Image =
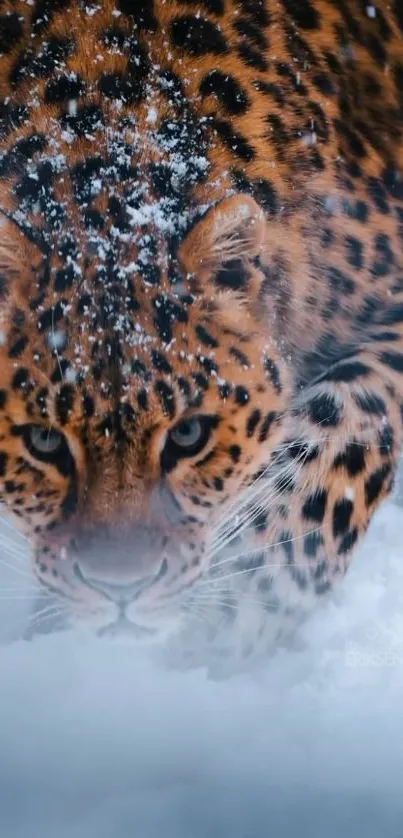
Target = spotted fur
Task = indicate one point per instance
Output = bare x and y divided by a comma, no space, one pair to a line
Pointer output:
201,208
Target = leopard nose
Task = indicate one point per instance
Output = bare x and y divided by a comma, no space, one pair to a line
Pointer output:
120,591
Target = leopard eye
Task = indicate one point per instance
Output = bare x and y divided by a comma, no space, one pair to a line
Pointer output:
189,436
187,439
44,441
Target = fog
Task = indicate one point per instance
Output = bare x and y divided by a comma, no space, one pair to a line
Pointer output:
98,741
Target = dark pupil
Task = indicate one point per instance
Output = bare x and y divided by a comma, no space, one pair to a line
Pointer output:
185,429
45,439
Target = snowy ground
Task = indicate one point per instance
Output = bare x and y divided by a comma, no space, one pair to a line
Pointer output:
96,742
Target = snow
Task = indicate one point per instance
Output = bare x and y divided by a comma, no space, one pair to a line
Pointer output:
96,741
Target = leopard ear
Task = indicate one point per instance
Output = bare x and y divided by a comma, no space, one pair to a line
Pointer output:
225,240
20,259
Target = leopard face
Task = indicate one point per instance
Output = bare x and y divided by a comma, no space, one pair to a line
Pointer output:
122,474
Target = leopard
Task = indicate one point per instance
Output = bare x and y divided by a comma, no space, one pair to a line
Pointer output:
201,303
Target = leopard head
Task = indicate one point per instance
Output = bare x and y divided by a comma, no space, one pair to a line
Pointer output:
134,415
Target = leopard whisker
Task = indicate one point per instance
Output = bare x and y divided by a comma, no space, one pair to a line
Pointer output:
27,598
17,589
55,345
13,550
240,599
18,534
52,610
200,613
265,548
246,512
210,582
245,517
16,570
251,513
